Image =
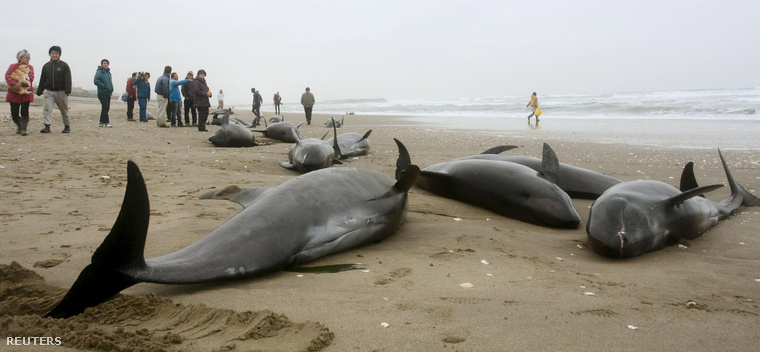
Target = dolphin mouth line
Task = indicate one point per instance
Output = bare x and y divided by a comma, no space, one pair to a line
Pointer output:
621,234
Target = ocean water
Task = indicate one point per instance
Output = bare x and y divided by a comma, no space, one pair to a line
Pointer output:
732,104
698,118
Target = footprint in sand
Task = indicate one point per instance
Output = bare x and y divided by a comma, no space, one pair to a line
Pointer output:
393,276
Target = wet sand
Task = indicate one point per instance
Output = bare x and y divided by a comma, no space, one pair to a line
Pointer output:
62,193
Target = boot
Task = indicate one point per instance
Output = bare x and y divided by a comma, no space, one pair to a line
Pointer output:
17,121
46,129
23,123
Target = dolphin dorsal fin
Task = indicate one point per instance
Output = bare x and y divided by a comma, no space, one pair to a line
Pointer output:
336,147
366,135
124,245
549,165
404,160
688,180
226,118
498,149
407,178
680,198
242,196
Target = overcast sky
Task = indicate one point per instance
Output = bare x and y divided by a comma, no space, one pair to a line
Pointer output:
401,49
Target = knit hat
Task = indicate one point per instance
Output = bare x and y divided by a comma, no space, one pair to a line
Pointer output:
21,54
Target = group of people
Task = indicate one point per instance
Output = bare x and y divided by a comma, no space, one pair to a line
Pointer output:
55,84
169,96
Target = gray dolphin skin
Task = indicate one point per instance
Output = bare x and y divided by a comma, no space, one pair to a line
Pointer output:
232,135
303,219
334,123
509,189
311,154
352,144
575,181
215,120
274,119
281,131
637,217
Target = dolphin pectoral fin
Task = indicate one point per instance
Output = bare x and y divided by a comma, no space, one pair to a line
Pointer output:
297,126
242,196
337,161
120,253
407,178
688,180
549,169
287,165
404,160
679,198
499,149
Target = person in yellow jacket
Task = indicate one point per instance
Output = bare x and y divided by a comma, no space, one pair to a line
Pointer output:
533,103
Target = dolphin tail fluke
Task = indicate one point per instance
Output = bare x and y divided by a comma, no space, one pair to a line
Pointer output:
121,251
498,149
739,195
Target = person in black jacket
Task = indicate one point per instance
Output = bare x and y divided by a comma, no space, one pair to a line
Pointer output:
55,83
189,102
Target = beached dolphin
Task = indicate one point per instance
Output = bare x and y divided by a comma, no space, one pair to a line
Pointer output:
281,131
308,217
275,119
352,144
509,189
311,154
575,181
334,123
637,217
215,120
232,135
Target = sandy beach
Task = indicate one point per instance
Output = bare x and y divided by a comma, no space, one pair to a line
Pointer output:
533,288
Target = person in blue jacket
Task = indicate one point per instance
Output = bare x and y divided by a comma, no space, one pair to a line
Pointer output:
175,99
104,83
143,93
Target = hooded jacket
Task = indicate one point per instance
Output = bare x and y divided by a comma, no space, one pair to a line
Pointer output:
103,81
56,76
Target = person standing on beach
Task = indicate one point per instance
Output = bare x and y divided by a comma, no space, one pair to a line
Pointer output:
201,95
162,97
277,101
104,83
142,91
220,99
533,103
131,97
257,100
20,94
307,100
175,99
55,83
189,101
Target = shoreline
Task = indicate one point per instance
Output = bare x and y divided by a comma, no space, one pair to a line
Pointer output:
58,207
